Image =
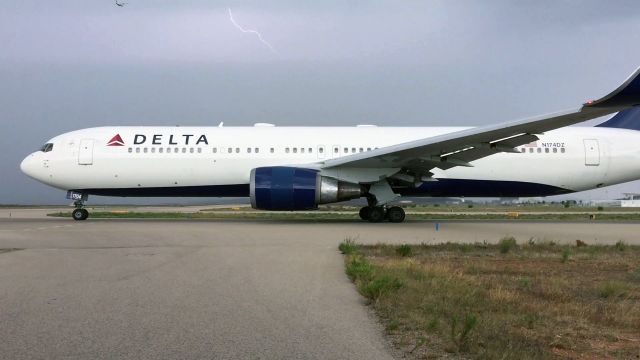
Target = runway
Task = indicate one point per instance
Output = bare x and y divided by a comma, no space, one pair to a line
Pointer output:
158,289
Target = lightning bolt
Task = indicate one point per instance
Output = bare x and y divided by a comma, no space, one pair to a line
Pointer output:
233,21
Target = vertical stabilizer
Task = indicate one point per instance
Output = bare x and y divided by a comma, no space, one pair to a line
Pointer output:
625,119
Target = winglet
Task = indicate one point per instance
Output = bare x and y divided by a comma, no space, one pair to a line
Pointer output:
626,95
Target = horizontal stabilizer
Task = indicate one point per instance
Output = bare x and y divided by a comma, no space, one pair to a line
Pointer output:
625,119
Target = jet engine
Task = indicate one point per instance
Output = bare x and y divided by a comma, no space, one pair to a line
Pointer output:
291,188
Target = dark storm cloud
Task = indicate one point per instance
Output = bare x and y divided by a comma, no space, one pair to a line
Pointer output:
74,64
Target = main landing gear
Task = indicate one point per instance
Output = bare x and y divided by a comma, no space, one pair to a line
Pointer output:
376,214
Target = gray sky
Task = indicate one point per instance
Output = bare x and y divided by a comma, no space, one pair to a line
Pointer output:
66,65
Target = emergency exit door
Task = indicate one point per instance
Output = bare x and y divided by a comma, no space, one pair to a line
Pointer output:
85,154
591,152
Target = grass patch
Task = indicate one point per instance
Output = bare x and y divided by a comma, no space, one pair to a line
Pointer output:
371,284
506,244
504,300
350,214
621,245
348,246
359,270
380,285
212,215
611,289
404,250
460,334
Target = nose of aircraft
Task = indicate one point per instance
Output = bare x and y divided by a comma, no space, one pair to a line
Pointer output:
28,166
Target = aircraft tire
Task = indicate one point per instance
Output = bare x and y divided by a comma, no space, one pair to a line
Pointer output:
376,214
80,214
365,212
395,214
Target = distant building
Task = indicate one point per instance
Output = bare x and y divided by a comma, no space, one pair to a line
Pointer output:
630,200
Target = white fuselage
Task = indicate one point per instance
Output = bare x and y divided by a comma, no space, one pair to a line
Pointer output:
165,159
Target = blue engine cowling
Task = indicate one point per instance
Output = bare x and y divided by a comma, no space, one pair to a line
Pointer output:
290,188
283,188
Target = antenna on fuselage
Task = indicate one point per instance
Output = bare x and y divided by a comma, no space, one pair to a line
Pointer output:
221,124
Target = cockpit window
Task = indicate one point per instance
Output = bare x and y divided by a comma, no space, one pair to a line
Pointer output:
46,147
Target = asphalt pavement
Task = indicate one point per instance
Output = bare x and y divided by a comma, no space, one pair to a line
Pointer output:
210,289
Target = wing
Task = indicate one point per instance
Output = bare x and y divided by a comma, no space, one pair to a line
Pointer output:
462,147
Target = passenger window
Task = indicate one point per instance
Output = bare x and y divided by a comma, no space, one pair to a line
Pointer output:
295,150
145,150
229,150
175,150
286,150
530,150
546,150
555,150
161,150
184,150
346,150
302,150
256,150
153,150
321,150
168,150
215,150
237,150
130,150
539,150
248,150
272,150
310,150
199,150
353,150
368,149
335,150
563,150
361,149
137,150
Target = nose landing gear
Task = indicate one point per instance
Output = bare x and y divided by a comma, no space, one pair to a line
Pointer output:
79,213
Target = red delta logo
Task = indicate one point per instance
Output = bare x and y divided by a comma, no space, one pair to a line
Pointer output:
116,141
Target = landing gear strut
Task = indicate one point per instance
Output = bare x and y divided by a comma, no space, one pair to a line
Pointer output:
376,214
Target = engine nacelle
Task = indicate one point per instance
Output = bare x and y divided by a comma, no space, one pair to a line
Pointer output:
290,188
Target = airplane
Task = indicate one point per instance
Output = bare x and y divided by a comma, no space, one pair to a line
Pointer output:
299,168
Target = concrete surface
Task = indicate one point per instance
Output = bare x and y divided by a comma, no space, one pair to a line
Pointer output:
209,289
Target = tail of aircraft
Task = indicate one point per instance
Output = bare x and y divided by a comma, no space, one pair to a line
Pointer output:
625,119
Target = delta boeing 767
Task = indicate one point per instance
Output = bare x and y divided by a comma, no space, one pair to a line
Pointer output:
298,168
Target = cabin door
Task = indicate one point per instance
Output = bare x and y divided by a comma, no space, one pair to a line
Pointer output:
591,152
85,154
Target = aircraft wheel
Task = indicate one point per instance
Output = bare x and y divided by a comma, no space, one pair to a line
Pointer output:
365,212
376,214
80,214
395,214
